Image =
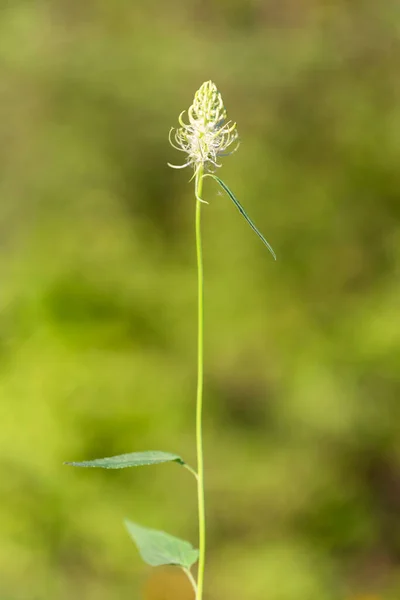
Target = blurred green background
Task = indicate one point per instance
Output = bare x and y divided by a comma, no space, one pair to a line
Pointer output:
98,296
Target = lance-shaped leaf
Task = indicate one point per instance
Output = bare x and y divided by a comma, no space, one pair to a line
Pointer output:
159,548
242,211
134,459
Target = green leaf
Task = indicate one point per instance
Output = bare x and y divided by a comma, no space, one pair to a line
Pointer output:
242,211
158,548
134,459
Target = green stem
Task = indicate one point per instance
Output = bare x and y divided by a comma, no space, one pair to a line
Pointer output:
189,468
199,400
191,579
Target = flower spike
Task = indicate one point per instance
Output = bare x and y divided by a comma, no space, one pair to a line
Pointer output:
207,135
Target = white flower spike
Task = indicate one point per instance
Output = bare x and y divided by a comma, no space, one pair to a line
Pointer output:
208,135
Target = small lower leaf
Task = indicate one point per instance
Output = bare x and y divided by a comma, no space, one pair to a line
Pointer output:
134,459
158,548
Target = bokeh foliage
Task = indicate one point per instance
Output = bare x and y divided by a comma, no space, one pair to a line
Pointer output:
97,321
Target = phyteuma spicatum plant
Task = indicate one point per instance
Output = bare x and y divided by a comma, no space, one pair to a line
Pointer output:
204,137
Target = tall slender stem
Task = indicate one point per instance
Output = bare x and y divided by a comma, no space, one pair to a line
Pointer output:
199,399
